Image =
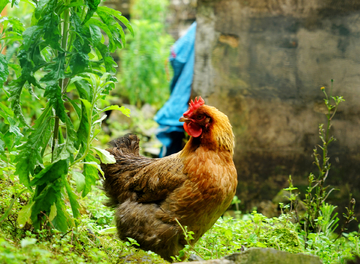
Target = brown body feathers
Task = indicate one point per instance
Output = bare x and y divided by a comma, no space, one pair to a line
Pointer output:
194,186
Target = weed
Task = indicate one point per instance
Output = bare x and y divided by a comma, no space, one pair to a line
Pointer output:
317,192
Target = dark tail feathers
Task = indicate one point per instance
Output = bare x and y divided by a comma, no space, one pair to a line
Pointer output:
126,144
123,149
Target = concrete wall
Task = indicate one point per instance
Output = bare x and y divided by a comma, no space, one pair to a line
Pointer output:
262,62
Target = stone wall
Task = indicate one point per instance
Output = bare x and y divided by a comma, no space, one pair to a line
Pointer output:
182,13
262,62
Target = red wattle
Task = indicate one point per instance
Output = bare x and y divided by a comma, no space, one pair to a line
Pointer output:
193,129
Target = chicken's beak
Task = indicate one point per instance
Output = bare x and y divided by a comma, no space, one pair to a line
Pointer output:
184,119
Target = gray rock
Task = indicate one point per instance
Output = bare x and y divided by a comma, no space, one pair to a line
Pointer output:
270,255
148,111
264,256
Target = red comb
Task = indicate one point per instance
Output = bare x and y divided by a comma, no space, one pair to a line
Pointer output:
194,105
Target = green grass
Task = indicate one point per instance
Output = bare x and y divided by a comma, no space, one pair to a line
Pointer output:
256,230
83,244
94,239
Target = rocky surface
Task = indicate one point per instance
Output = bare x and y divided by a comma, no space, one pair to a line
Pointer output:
263,256
262,63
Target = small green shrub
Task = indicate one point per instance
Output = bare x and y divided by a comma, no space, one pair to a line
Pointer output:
317,192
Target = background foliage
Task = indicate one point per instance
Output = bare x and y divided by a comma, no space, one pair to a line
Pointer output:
145,76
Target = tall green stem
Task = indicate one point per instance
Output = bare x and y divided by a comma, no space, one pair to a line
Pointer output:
62,82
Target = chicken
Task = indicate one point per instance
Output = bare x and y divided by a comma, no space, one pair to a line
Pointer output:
193,187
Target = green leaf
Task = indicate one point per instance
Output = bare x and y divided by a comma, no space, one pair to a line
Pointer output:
15,95
87,106
14,128
69,149
50,22
31,36
83,132
47,136
53,212
79,62
111,23
108,231
80,59
110,64
126,23
77,26
95,165
56,70
53,93
124,110
99,121
6,112
93,5
73,201
4,71
3,3
110,84
105,156
61,219
51,173
106,17
39,7
90,173
16,68
24,215
79,180
60,9
84,89
118,15
76,107
28,67
30,152
122,34
37,57
103,27
45,196
17,28
9,141
95,34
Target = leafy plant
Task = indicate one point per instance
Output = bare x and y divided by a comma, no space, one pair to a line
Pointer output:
317,192
89,242
327,220
320,219
348,216
64,57
292,196
318,215
188,236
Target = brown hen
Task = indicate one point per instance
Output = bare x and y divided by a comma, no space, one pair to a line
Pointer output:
194,186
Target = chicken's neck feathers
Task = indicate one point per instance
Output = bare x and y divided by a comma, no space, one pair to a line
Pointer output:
219,137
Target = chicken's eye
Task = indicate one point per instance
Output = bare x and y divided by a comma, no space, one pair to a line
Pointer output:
199,117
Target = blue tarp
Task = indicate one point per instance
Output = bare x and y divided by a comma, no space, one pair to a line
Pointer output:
182,60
